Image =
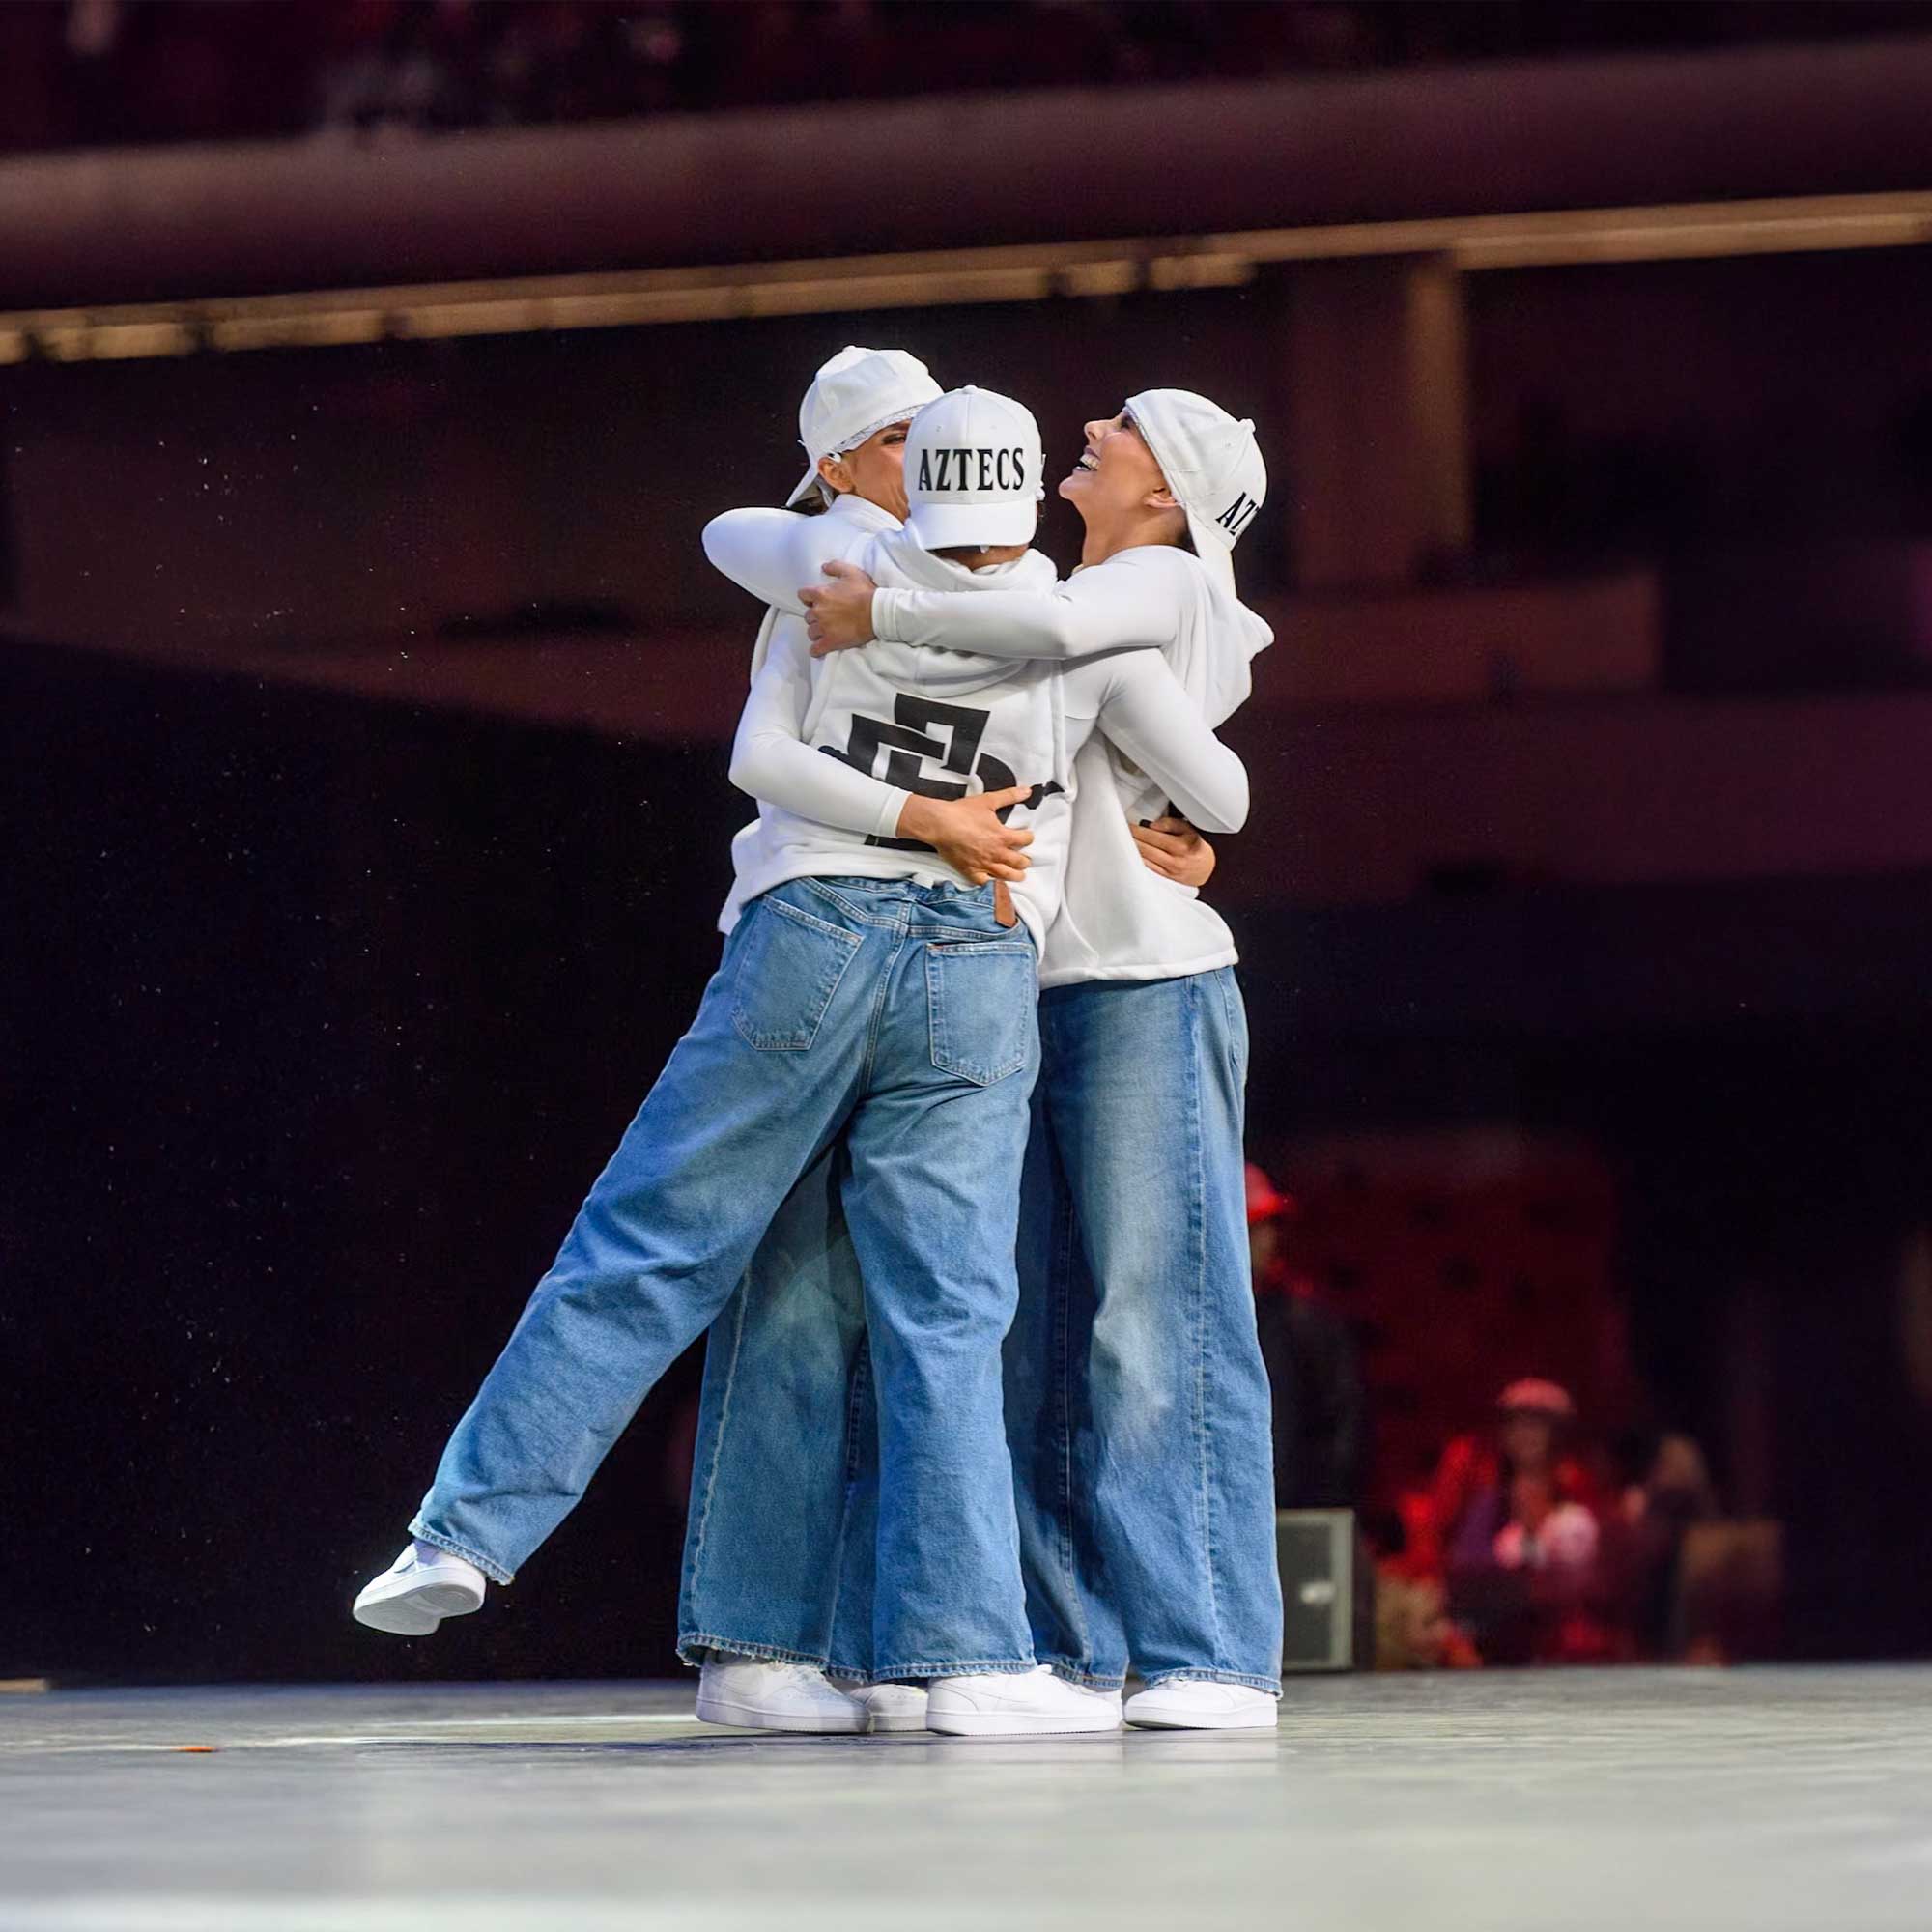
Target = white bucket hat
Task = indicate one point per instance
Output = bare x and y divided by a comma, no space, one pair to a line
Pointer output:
853,396
972,470
1213,465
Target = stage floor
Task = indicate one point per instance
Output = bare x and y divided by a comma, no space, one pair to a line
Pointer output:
1706,1799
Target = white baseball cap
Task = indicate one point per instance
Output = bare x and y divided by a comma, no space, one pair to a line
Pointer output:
853,396
973,469
1213,465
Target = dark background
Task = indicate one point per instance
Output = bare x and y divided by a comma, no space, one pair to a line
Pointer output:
366,817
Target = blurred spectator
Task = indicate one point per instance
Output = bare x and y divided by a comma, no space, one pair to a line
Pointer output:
1519,1535
1321,1402
1414,1629
1672,1493
1545,1532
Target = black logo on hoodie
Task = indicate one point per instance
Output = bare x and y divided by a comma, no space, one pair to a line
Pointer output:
911,742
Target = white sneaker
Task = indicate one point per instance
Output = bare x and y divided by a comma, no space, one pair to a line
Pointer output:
892,1707
760,1695
1199,1704
421,1587
1033,1703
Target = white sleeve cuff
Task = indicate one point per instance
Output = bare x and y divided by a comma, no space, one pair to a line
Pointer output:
887,826
886,616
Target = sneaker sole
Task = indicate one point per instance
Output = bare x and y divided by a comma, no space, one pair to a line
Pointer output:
1230,1723
1013,1724
905,1720
415,1612
717,1711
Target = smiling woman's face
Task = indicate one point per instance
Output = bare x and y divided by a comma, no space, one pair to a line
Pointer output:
1116,475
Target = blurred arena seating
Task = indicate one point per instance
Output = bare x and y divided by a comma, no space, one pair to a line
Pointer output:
1463,1257
94,72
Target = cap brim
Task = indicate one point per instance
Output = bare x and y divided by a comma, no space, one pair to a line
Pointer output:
1211,547
807,484
948,525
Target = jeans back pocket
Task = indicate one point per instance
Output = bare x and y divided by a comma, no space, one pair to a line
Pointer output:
980,1002
786,972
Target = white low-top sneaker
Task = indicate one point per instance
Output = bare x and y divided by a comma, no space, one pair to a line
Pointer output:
1199,1704
421,1587
760,1695
892,1707
1018,1704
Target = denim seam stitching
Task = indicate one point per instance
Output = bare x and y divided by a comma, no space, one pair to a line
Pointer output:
1230,993
718,1446
1185,1675
854,1390
801,916
968,935
1238,1054
691,1642
969,942
845,906
960,1667
1076,1673
877,1020
1198,1231
1061,1278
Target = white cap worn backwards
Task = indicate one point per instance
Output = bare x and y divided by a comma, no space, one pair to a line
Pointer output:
1212,466
855,395
972,470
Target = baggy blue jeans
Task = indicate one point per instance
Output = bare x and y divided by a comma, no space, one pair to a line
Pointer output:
779,1546
1137,1402
901,1018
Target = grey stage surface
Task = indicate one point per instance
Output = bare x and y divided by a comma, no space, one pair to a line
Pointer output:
1689,1799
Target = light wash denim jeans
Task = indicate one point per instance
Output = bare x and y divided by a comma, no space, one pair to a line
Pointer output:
902,1018
1137,1400
1137,1403
779,1546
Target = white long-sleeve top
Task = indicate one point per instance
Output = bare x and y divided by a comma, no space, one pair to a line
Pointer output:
936,722
1117,919
809,542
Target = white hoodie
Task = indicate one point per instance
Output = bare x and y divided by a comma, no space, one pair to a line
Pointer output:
938,721
1119,921
844,529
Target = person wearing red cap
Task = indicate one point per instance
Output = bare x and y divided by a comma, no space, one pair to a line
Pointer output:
1320,1401
1519,1531
1266,1204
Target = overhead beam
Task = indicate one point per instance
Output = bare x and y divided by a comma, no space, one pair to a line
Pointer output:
956,278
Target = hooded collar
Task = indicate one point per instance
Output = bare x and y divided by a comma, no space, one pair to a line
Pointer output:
903,563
